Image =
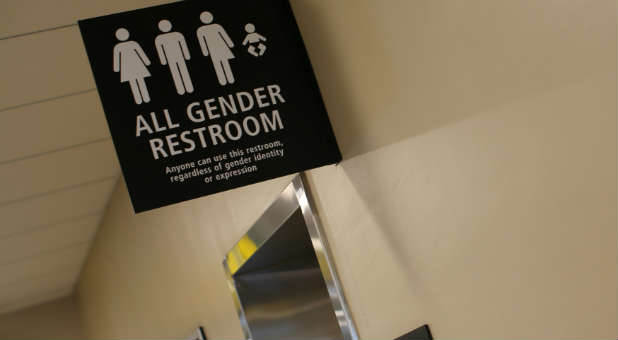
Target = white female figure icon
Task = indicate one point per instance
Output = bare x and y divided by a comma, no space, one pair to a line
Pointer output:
131,61
215,42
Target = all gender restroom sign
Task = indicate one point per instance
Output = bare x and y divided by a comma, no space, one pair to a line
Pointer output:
205,96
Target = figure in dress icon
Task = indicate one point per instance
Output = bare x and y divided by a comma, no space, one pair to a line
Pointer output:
256,47
131,61
173,51
215,42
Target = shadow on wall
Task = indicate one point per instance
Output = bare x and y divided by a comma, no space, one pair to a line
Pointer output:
334,68
511,92
391,72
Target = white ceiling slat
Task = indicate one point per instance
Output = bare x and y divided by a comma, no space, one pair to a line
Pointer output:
24,245
51,125
37,297
22,16
55,207
69,259
58,167
10,295
49,283
43,65
57,170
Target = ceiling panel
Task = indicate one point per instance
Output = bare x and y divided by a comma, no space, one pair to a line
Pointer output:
35,298
21,16
20,246
31,289
51,125
65,260
43,65
56,207
57,170
57,162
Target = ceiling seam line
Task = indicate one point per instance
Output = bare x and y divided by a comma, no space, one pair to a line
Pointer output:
9,108
70,187
63,269
65,148
47,252
52,224
43,30
9,305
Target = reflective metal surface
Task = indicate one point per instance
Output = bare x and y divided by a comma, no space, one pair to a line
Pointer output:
265,226
282,278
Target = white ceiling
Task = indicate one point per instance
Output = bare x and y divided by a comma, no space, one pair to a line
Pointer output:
57,162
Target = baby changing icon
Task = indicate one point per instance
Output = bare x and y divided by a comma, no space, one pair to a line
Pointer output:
254,39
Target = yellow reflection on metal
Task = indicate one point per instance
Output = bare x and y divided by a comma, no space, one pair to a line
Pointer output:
241,252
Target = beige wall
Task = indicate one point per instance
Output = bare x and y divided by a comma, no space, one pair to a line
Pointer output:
59,319
477,194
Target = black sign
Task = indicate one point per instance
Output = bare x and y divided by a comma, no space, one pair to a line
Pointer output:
205,96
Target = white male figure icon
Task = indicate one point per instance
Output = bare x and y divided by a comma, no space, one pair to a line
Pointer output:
173,51
215,42
131,61
254,40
